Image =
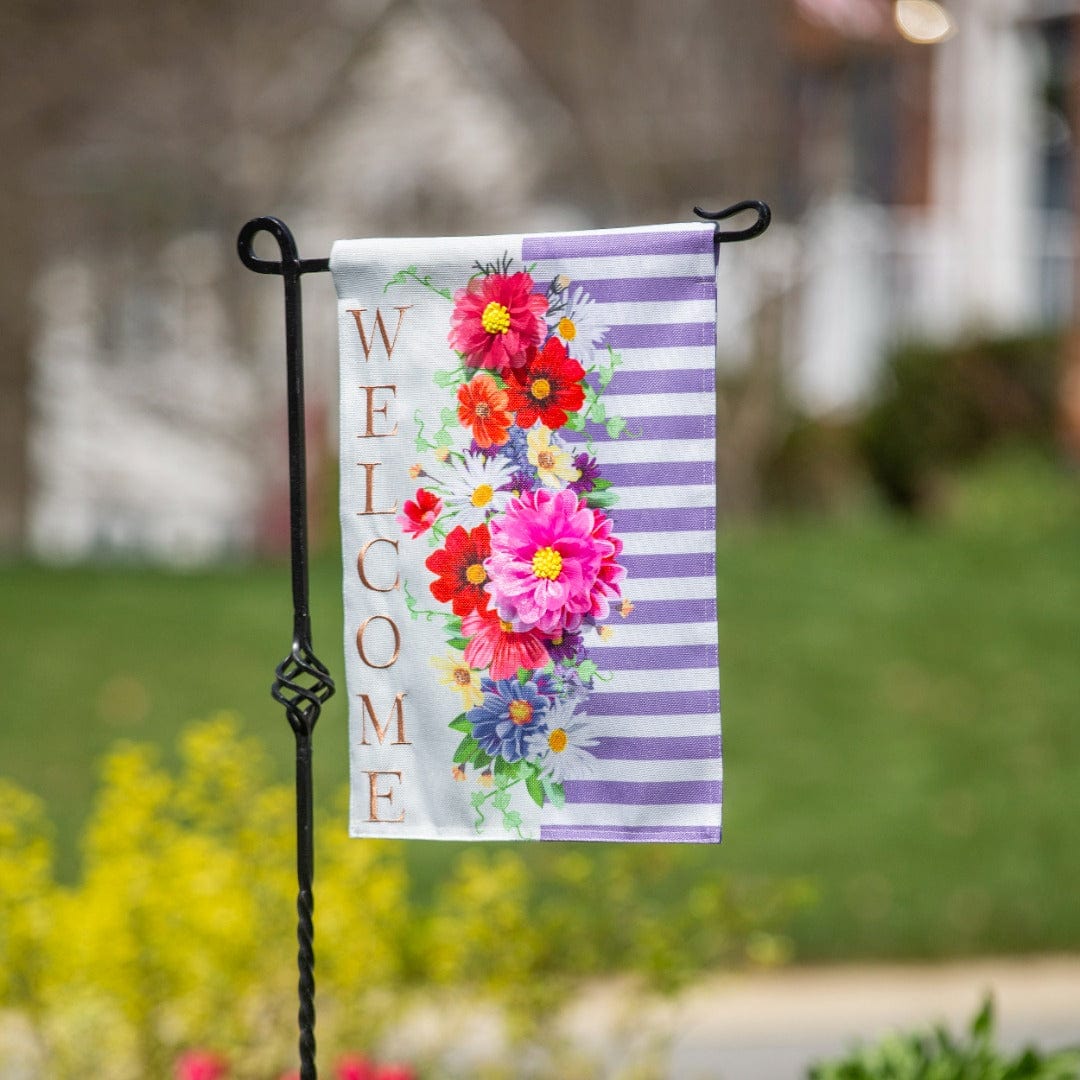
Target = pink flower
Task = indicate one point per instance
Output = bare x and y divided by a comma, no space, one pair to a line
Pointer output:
200,1065
394,1072
417,517
496,319
552,562
496,644
355,1067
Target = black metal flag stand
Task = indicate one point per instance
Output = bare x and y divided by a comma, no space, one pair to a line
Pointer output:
302,682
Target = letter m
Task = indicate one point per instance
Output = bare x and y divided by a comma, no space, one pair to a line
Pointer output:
369,343
368,711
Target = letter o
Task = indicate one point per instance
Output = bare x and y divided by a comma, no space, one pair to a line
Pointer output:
360,641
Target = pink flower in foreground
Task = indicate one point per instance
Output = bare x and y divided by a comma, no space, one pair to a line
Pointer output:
496,318
418,516
552,562
495,644
355,1067
200,1065
394,1072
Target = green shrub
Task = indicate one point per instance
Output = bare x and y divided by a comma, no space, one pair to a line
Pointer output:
180,930
940,407
936,1055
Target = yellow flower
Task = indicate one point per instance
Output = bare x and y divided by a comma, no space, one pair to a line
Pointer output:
605,632
626,608
460,677
555,465
416,471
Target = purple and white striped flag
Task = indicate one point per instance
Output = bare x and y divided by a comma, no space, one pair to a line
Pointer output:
527,508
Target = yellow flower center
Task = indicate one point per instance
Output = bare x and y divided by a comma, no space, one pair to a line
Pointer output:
462,676
557,740
496,318
520,712
482,495
475,574
482,410
506,627
546,459
540,389
547,563
567,329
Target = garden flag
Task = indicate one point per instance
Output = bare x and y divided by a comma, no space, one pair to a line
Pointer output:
527,508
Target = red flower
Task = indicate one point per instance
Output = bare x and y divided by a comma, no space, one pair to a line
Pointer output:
417,517
496,644
201,1065
496,318
355,1067
459,570
483,408
547,387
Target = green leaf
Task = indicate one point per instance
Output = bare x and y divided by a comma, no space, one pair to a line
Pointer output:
535,787
554,792
615,427
458,642
575,422
448,417
587,669
477,800
466,750
601,500
481,758
461,723
601,484
606,375
446,379
501,799
598,414
512,820
983,1024
453,624
523,675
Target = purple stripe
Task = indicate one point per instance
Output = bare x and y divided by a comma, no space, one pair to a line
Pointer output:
653,703
669,566
659,474
666,519
678,381
586,245
654,657
661,335
649,427
676,748
643,792
621,290
652,612
641,834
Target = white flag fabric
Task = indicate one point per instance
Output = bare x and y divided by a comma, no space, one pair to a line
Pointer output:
527,511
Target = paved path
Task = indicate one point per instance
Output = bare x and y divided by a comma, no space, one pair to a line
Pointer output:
771,1026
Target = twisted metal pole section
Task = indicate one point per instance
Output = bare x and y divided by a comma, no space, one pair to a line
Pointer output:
302,682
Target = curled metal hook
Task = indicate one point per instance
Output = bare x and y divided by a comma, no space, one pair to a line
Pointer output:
290,261
722,237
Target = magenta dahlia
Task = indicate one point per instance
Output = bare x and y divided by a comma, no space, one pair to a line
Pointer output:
552,563
496,319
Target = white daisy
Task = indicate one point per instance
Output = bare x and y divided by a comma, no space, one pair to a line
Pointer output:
563,747
472,487
576,323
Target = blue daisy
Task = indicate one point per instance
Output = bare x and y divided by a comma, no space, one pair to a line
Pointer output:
512,711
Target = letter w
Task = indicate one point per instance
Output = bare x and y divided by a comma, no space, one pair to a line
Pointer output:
379,325
381,729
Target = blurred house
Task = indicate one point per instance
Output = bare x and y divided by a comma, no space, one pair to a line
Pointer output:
918,191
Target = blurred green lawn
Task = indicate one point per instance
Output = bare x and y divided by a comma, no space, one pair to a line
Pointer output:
900,707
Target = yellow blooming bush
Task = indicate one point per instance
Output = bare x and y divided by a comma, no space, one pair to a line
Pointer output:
178,932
